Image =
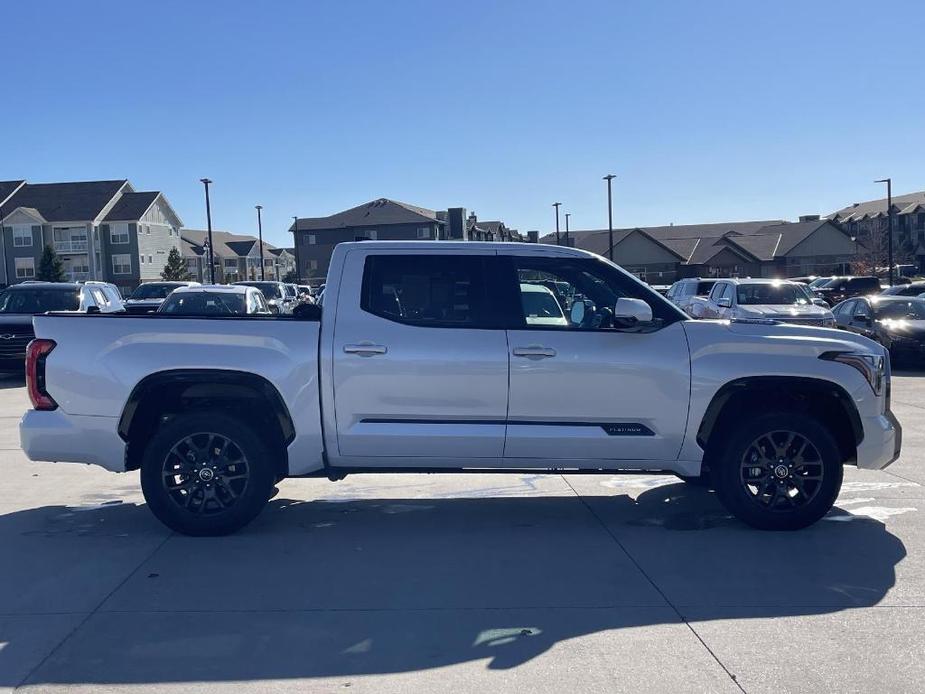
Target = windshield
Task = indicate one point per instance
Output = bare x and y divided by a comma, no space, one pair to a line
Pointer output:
39,300
270,289
204,304
820,282
153,290
830,282
913,309
773,294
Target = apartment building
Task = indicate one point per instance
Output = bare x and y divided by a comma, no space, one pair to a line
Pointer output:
385,219
768,248
863,220
102,230
236,257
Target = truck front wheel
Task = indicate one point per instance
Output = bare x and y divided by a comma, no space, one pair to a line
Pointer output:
206,473
780,471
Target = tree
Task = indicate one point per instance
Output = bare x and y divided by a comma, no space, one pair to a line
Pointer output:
51,269
175,269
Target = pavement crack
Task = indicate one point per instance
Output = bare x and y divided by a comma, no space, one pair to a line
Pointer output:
92,612
654,585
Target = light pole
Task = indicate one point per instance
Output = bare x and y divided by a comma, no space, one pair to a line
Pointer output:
609,178
206,182
556,205
260,241
295,244
889,221
567,215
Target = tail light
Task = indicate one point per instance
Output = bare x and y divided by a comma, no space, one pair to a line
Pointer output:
36,353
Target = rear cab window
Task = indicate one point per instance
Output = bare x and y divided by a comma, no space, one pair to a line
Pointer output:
440,291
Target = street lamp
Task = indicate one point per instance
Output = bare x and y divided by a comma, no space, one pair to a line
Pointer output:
206,182
567,215
556,205
295,244
260,240
609,178
889,221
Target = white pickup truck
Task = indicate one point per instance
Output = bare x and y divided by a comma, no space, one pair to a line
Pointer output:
427,358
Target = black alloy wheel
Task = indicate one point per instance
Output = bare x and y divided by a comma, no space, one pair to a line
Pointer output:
779,471
207,473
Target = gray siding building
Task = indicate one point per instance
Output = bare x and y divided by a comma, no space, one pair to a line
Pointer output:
385,220
102,230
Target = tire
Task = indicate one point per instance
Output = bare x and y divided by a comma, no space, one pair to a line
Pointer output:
206,473
765,482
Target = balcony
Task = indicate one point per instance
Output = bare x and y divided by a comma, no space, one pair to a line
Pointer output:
71,246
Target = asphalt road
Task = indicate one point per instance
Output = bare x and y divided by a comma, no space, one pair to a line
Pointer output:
476,583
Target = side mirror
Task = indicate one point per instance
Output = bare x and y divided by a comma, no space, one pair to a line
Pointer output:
820,302
725,302
632,311
577,314
862,317
93,309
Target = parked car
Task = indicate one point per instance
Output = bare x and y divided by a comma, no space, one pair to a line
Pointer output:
107,296
540,305
280,299
911,289
764,299
838,289
19,302
896,322
430,363
215,300
148,297
804,280
690,294
820,281
305,292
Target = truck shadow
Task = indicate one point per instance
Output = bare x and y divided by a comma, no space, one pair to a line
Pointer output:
350,587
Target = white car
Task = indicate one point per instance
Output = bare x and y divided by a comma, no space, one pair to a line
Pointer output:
540,305
690,295
215,300
765,299
427,360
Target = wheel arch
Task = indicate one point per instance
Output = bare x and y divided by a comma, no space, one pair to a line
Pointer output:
173,392
823,399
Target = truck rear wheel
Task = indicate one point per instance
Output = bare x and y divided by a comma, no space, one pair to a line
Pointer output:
206,473
779,472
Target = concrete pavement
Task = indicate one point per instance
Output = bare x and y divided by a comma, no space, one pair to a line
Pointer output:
462,583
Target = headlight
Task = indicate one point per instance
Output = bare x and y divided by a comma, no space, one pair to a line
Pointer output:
872,367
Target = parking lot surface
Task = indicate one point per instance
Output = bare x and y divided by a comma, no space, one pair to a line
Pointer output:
396,583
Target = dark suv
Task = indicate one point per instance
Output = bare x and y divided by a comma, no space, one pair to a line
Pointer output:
838,289
19,302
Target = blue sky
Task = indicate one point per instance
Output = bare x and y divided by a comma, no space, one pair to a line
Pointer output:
706,111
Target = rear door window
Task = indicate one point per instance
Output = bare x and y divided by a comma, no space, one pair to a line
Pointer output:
440,291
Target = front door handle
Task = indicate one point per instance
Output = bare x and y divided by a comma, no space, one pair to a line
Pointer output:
534,352
366,349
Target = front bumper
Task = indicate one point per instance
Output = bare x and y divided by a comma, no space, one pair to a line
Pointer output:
883,437
59,437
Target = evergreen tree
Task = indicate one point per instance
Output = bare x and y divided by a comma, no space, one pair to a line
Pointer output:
175,269
51,269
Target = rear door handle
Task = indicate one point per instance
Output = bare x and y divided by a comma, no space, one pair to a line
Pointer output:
366,349
534,352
